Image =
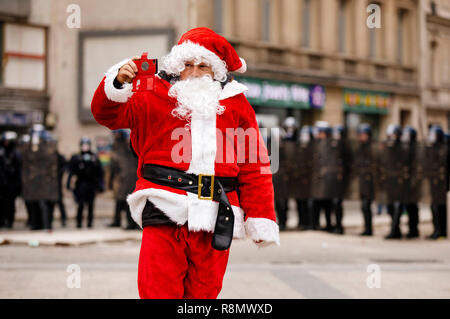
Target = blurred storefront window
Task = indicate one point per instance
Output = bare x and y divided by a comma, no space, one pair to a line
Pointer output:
24,56
362,106
283,98
98,50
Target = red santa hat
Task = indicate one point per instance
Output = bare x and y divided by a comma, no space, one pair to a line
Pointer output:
204,45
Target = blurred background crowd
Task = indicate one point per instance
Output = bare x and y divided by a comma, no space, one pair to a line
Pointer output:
318,164
33,169
314,67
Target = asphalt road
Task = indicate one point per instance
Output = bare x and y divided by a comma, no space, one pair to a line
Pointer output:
308,264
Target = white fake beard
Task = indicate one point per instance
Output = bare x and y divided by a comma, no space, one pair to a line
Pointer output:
199,96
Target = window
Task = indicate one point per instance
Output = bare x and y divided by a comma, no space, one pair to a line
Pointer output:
1,53
341,25
218,16
98,50
376,39
345,27
372,43
265,21
432,64
306,23
24,56
402,19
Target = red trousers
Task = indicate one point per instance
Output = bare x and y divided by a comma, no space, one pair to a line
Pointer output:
175,263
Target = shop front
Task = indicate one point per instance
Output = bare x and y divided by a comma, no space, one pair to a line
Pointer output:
362,106
273,100
19,121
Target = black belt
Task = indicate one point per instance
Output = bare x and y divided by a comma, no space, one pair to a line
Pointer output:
201,185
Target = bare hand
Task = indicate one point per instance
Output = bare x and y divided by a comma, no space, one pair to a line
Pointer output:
128,71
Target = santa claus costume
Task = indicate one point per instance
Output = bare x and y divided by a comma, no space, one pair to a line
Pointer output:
183,130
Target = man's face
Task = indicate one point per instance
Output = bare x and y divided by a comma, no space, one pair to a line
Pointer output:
322,135
363,137
195,71
85,147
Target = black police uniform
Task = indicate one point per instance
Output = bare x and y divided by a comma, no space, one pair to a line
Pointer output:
282,178
89,180
413,152
322,182
10,182
365,169
301,179
437,163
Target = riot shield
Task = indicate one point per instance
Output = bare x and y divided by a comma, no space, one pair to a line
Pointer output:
414,191
436,171
281,178
320,171
40,171
394,170
123,171
364,168
301,177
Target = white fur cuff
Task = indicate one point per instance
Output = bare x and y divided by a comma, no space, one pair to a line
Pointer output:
263,229
117,95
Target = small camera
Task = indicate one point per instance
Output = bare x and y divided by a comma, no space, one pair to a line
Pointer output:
145,77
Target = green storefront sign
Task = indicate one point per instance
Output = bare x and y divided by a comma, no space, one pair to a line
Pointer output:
283,94
360,101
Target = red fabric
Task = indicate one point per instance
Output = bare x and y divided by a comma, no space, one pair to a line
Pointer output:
177,264
215,43
148,115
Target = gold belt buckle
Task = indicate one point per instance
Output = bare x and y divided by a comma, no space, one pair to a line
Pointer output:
200,185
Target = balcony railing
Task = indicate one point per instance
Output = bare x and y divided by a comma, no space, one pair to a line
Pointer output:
325,64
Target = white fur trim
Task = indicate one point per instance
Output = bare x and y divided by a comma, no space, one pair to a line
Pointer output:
117,95
239,228
173,63
204,144
231,89
243,68
263,229
172,204
178,208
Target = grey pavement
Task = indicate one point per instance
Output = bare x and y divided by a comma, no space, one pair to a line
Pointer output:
306,265
309,264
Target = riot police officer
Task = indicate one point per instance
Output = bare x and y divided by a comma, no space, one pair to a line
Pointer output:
123,176
302,178
322,175
437,172
87,169
40,177
365,166
394,170
22,145
282,179
10,178
339,156
62,167
412,151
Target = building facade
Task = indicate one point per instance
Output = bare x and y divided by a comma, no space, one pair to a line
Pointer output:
311,59
375,75
56,51
436,60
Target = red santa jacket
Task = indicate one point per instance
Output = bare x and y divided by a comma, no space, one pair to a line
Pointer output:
212,148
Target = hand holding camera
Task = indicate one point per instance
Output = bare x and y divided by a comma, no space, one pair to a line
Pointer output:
128,71
139,70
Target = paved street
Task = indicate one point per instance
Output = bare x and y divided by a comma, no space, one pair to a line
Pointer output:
306,265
